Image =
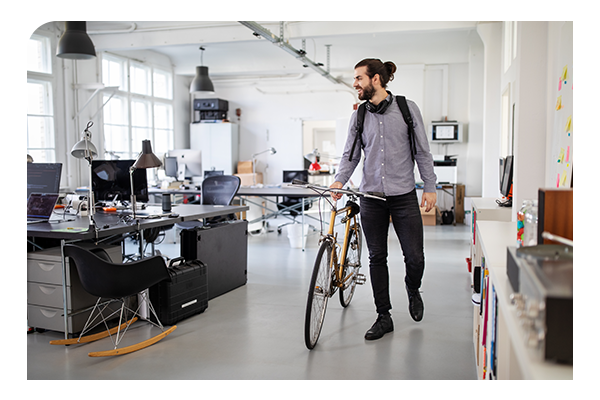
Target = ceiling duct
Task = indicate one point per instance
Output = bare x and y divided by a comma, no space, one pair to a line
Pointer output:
260,30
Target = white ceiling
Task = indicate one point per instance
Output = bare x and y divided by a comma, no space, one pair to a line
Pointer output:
233,50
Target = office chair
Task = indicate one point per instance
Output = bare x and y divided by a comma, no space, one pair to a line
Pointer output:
290,201
115,283
216,190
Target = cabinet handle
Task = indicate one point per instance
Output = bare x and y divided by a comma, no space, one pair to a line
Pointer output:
48,313
46,266
47,290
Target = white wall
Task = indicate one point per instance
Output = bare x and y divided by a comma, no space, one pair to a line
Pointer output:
272,115
272,112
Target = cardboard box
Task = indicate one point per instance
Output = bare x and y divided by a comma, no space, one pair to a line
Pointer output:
244,167
430,218
248,180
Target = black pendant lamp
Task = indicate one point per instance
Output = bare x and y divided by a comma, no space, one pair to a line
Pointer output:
202,82
75,44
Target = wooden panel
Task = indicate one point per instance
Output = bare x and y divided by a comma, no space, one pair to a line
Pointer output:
555,213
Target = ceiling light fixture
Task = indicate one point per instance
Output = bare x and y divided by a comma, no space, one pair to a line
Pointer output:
75,44
202,82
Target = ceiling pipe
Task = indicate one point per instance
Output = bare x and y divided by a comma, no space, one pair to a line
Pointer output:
260,30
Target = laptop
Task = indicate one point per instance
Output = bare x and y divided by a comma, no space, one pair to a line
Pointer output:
40,207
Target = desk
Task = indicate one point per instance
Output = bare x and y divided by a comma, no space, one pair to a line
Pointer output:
111,224
445,187
266,193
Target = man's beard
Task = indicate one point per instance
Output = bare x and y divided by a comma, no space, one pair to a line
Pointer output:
367,93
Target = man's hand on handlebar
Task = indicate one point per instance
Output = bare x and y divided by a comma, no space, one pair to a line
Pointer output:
335,195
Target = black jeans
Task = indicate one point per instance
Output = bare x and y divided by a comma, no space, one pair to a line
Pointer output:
406,219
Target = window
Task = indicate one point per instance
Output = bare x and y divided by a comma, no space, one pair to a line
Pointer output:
40,111
142,108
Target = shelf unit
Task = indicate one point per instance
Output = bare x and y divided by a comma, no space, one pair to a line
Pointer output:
514,359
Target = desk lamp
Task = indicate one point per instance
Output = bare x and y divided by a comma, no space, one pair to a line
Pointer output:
145,160
271,151
314,157
86,149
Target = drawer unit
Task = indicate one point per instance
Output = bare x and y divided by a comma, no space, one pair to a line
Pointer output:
45,292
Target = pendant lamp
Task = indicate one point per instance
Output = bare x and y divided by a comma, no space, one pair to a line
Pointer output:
202,82
75,44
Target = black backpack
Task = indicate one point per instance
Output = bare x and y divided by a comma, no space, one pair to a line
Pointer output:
360,118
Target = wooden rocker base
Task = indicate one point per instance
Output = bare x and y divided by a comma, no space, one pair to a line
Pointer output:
132,348
97,336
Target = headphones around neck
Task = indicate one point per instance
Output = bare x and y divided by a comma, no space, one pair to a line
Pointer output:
379,108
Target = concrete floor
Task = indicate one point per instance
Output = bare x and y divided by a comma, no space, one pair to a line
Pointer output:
256,331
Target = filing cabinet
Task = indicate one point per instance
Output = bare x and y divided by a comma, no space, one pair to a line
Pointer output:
45,293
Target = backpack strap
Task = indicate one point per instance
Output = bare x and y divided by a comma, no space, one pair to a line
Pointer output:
401,100
360,119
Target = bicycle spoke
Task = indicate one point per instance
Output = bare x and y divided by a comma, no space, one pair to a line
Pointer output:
351,269
318,295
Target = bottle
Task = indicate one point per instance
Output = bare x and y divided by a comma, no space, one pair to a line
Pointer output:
531,225
521,221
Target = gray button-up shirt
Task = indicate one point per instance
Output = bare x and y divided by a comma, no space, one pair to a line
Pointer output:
388,166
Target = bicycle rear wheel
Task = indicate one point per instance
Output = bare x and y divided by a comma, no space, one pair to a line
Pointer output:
318,294
351,266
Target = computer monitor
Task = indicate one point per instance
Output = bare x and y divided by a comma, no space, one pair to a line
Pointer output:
213,173
191,159
507,177
171,167
110,181
301,175
43,177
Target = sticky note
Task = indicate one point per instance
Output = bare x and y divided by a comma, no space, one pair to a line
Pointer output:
559,84
561,156
564,73
568,124
568,150
563,179
558,180
559,103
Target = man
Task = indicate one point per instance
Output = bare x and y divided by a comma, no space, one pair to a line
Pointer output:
389,171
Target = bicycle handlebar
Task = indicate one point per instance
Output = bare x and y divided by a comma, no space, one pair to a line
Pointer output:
323,189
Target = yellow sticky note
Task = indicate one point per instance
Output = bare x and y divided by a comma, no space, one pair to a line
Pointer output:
568,125
563,179
564,73
561,156
559,103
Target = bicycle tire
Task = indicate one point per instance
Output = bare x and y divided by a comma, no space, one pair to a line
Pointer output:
318,294
351,265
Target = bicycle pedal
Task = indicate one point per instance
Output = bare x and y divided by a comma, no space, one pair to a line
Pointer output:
360,279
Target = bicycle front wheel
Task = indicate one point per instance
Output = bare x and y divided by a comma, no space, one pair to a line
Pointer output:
318,294
351,265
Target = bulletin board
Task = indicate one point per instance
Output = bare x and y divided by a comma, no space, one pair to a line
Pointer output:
562,149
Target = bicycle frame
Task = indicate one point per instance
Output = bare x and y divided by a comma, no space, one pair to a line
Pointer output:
334,264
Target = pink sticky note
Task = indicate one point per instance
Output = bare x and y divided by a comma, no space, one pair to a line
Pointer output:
559,84
558,180
568,149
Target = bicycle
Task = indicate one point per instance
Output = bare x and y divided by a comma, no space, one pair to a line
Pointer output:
337,265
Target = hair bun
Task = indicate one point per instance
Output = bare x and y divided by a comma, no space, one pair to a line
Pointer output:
390,67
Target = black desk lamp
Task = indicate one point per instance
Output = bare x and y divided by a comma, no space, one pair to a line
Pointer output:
145,160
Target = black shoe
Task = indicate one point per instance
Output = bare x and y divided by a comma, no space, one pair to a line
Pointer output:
382,326
415,304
